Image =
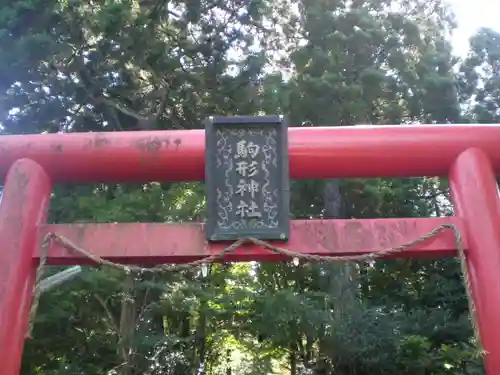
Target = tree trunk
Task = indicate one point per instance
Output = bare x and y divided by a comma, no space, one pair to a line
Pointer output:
342,276
341,281
293,360
200,343
127,326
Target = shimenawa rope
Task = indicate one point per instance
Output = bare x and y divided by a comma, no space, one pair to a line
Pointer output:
67,244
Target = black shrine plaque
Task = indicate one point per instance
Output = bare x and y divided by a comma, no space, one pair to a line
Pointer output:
247,178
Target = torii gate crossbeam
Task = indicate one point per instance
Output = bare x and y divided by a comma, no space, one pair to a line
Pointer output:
468,154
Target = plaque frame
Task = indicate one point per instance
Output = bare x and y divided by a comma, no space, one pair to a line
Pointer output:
212,124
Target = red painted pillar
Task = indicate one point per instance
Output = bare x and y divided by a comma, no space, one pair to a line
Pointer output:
25,203
475,196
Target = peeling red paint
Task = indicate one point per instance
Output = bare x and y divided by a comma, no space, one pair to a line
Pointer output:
314,153
24,204
318,152
152,145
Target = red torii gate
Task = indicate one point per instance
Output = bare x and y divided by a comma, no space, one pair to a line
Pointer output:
468,154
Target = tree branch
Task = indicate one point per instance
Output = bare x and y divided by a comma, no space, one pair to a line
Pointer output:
118,107
114,115
108,313
163,105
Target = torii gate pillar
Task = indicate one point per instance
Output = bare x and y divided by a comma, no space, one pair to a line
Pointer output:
475,198
25,203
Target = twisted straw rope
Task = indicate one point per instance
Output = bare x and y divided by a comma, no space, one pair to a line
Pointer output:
67,244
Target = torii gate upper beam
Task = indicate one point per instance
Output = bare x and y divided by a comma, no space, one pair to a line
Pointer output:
316,152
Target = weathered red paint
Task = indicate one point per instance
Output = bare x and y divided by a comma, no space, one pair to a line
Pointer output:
319,152
470,151
175,243
475,197
25,201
